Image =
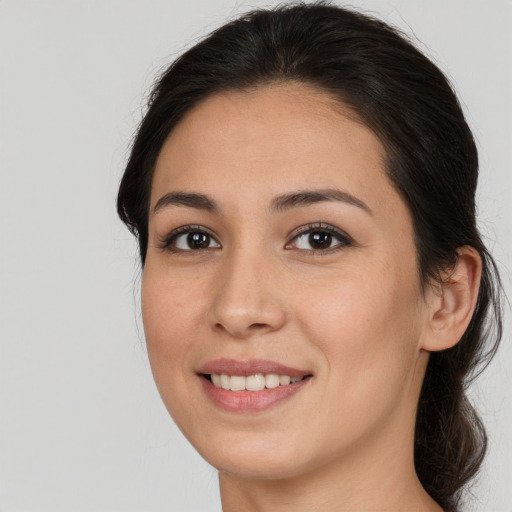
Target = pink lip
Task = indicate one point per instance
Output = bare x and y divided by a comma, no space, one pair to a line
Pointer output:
251,367
249,401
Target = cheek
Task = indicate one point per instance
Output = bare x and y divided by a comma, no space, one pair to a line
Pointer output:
171,312
367,329
366,306
171,307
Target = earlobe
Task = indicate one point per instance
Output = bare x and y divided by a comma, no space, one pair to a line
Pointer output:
453,302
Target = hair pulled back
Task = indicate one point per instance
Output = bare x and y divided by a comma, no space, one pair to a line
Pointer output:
431,160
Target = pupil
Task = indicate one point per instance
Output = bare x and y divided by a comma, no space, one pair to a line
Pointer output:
320,240
198,240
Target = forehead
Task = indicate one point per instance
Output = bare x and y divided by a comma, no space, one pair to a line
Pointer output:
274,136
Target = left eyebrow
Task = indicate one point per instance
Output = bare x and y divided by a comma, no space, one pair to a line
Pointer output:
309,197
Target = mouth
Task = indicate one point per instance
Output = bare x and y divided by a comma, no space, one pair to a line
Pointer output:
256,382
249,386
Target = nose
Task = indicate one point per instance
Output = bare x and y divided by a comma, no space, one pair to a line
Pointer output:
246,301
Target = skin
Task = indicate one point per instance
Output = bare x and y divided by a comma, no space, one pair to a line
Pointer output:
354,315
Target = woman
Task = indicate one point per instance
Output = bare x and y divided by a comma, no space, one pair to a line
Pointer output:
315,293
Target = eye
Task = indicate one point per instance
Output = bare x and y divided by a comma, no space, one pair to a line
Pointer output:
189,238
319,237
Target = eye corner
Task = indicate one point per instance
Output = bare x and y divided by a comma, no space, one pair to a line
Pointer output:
179,240
333,233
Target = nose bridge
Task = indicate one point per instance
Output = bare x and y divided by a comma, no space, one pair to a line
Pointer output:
246,299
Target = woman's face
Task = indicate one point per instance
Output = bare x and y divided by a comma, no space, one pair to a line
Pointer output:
279,250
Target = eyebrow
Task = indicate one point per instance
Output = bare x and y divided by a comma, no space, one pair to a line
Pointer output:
188,199
309,197
279,204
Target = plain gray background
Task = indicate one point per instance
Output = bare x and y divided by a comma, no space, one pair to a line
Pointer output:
81,425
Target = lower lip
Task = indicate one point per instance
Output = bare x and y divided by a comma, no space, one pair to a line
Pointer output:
250,401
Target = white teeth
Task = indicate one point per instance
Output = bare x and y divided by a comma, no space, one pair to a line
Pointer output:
224,381
237,383
216,378
255,382
271,380
284,380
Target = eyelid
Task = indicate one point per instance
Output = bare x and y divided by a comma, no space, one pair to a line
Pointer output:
345,239
167,240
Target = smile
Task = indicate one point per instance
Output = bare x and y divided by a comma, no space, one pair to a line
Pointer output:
250,386
256,382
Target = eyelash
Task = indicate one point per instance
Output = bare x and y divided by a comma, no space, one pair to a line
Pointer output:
344,240
169,241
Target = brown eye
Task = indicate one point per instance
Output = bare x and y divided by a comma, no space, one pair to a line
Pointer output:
320,240
190,239
319,237
198,240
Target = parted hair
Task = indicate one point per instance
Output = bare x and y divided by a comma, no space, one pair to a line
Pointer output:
431,159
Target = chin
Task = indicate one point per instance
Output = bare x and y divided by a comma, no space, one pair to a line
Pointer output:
254,458
264,470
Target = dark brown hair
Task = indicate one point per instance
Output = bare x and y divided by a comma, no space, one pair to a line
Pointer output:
431,160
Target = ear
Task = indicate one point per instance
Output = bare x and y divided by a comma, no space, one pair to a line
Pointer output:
451,303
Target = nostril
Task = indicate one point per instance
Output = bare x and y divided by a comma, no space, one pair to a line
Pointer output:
258,325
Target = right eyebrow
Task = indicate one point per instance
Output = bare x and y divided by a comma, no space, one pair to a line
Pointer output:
188,199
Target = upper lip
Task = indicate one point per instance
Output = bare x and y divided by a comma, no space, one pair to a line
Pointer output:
249,367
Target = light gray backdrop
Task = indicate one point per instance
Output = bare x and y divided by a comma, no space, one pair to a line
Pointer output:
81,425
